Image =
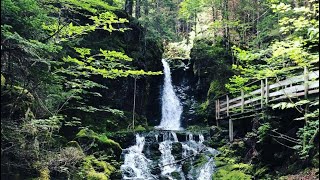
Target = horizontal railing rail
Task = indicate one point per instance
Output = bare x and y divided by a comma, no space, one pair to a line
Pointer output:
306,83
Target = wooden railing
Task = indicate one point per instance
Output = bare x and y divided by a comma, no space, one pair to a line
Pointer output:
293,87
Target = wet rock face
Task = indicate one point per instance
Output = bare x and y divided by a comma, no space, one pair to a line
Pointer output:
184,82
186,166
152,151
176,150
124,139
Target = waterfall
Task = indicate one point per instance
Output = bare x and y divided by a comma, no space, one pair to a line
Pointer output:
167,158
171,107
136,165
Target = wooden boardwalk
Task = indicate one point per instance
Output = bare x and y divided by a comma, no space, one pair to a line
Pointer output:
266,93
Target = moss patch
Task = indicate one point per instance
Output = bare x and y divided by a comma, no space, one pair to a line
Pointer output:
229,167
94,169
100,137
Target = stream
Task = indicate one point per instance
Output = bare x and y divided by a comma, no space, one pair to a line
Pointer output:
169,152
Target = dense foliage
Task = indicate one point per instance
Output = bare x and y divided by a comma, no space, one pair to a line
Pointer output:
71,69
51,72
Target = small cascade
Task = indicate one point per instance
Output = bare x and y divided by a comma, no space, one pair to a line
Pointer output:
167,161
174,135
136,165
207,170
157,137
172,155
190,137
201,138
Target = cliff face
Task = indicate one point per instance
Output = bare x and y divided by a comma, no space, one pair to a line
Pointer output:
147,55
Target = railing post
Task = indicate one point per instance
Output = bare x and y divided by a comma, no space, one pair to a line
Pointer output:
306,84
306,110
230,130
267,91
218,107
227,97
242,101
262,92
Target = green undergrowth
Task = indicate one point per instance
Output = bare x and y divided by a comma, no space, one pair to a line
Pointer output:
95,169
195,128
229,166
100,137
137,129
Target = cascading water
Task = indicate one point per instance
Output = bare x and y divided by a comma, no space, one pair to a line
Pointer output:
168,164
170,155
136,165
171,107
167,160
206,171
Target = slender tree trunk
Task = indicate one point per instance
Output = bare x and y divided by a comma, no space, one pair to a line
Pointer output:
138,14
296,3
134,103
145,7
195,23
306,3
257,22
226,17
129,7
255,17
213,13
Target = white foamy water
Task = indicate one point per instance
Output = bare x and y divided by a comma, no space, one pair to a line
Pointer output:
136,165
171,107
207,170
201,138
167,160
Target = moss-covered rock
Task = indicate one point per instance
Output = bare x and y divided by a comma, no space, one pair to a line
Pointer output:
16,100
224,174
102,138
229,166
94,169
176,176
176,150
3,81
186,166
44,174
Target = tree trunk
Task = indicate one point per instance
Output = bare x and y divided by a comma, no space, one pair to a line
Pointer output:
295,3
195,24
213,13
129,7
226,17
145,7
138,14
